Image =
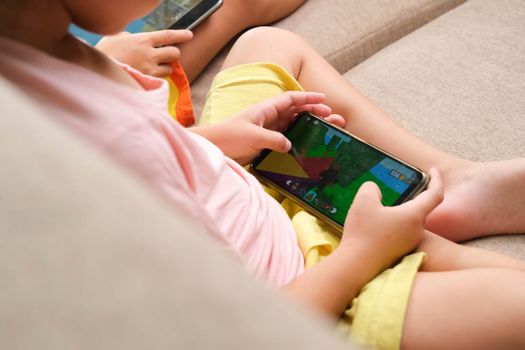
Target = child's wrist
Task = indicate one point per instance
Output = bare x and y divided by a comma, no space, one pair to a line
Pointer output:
364,259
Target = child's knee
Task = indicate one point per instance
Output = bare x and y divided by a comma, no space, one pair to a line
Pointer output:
270,36
265,44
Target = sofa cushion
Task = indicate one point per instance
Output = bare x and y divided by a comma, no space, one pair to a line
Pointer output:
459,83
345,31
91,259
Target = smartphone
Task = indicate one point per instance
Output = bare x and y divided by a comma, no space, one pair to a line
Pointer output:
326,166
170,14
187,14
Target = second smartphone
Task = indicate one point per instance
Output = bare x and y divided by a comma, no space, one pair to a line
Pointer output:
170,14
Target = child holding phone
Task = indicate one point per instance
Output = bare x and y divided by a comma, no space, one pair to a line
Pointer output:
123,113
180,55
151,53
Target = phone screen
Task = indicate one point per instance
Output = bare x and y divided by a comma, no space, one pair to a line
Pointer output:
326,166
163,17
167,13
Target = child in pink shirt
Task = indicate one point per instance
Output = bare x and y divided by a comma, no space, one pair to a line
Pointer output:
133,125
123,113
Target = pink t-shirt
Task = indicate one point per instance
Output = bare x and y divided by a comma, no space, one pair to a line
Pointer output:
135,128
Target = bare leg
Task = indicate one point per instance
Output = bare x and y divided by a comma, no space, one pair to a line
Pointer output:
444,255
468,309
480,198
231,19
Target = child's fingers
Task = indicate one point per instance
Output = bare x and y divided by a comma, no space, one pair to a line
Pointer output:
337,120
162,70
323,111
169,37
319,109
273,140
302,98
167,54
282,103
429,199
368,196
285,105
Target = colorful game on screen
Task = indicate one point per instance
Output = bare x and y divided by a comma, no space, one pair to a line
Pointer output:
167,13
326,167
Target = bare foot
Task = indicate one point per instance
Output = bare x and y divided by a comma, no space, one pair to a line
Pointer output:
261,12
482,199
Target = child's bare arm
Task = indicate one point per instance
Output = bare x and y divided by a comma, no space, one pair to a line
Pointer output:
151,53
374,238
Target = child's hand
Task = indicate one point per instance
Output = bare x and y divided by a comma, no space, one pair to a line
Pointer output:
388,233
243,136
151,53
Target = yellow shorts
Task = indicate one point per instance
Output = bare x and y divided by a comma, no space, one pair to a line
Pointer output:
376,316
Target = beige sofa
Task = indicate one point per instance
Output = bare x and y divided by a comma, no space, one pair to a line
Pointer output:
90,258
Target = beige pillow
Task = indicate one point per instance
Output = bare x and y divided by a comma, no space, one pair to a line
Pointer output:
90,259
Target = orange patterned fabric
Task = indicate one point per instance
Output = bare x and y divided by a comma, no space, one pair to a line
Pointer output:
179,104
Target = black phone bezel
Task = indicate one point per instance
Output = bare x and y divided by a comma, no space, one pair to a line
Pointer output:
198,14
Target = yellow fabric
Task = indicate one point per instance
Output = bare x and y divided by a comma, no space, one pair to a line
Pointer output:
238,87
173,98
377,314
